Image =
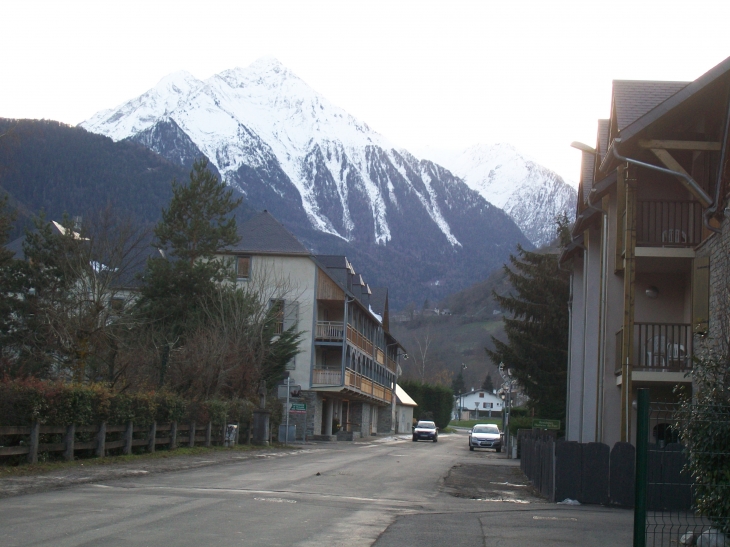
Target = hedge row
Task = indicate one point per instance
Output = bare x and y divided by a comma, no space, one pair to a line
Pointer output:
434,402
23,402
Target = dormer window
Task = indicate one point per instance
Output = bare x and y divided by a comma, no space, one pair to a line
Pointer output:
243,267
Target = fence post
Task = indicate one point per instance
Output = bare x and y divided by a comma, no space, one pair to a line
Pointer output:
191,436
68,454
208,431
128,436
33,448
101,441
152,436
173,435
642,459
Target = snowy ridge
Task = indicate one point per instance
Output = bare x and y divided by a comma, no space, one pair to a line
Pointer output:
531,194
233,115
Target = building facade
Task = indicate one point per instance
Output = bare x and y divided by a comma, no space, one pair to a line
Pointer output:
645,239
481,403
348,361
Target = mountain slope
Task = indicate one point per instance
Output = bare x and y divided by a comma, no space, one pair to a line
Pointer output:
327,176
530,193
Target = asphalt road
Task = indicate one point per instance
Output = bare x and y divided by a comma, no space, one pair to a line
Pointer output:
387,492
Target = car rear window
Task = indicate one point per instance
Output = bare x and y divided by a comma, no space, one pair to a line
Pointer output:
485,429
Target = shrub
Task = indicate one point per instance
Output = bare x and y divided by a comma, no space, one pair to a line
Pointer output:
434,399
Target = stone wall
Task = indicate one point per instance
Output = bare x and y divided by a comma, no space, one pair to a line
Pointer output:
717,248
386,425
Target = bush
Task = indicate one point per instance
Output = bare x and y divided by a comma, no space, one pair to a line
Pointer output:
434,399
56,403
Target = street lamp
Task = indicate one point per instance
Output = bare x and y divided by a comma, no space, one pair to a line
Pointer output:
461,395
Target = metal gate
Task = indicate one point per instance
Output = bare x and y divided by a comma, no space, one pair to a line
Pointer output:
671,504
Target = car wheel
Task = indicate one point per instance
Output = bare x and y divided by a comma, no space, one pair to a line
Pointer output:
436,439
499,449
471,448
415,439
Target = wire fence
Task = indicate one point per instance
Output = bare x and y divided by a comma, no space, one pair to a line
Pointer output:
685,474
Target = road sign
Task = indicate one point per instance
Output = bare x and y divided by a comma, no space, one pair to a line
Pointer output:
539,423
298,408
294,390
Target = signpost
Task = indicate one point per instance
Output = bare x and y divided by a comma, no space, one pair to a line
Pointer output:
292,390
539,423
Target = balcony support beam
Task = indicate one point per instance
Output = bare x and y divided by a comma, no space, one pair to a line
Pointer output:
628,180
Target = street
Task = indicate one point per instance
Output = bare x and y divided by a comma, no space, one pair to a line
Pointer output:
382,492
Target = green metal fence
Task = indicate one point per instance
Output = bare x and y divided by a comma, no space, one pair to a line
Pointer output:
682,474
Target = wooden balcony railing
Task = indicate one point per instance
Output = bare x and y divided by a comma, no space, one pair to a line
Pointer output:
668,223
392,365
327,377
330,330
659,347
357,339
379,356
367,386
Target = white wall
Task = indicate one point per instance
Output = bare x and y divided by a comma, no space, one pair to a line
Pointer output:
292,278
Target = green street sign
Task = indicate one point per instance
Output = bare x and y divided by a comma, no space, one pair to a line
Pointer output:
539,423
298,407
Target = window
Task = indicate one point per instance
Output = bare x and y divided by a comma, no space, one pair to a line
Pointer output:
243,267
277,312
481,395
117,304
486,405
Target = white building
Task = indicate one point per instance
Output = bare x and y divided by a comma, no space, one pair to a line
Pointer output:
404,406
477,404
348,363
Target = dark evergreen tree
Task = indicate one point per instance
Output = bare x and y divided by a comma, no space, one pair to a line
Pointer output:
197,226
457,384
488,384
537,326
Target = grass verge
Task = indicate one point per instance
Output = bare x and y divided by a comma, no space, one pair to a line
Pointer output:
24,469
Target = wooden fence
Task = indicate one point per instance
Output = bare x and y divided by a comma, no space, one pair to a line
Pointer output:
171,435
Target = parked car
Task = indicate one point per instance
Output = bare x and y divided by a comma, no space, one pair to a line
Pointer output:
426,430
485,436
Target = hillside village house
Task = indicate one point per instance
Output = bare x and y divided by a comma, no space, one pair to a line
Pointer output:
646,258
475,404
348,363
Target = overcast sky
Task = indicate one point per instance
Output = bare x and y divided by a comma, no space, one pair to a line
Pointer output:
448,74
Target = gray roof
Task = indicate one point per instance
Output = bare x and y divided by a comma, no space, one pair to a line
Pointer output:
378,298
604,127
264,234
634,98
333,261
675,100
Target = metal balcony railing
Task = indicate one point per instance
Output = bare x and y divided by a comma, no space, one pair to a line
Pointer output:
659,347
668,223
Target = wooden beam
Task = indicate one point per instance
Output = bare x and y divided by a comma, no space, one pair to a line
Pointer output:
670,163
680,145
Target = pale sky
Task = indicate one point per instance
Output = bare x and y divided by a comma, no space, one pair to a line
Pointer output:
536,74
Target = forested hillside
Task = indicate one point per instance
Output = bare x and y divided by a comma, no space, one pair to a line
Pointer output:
52,167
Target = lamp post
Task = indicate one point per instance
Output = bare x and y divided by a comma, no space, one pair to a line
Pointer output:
461,395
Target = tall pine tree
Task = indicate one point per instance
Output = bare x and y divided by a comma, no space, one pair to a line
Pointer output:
537,326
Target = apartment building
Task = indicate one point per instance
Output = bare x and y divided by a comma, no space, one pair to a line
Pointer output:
645,241
348,364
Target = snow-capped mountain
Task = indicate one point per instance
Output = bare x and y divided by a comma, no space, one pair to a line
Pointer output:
336,183
528,192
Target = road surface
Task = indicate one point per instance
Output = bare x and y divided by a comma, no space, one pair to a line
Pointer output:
385,492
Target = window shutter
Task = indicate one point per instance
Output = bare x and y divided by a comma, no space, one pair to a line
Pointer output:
291,319
701,295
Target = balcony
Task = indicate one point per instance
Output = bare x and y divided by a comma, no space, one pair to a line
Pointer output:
324,377
392,365
330,331
361,384
358,340
668,223
658,348
355,384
